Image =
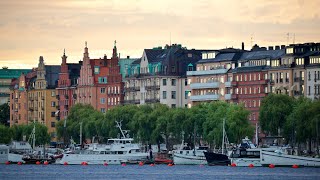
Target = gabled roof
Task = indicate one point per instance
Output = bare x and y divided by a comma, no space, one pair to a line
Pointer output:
154,55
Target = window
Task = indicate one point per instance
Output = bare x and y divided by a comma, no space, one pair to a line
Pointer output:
173,82
308,90
164,94
53,93
173,105
103,90
96,69
103,110
164,82
53,114
102,100
265,89
102,80
53,124
186,94
173,69
186,82
173,94
53,104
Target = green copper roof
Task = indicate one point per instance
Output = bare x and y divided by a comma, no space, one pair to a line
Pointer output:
12,73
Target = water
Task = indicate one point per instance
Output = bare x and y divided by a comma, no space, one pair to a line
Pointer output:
14,171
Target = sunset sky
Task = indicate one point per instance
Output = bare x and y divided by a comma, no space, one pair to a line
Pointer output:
33,28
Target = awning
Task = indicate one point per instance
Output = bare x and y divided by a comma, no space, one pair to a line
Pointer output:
57,113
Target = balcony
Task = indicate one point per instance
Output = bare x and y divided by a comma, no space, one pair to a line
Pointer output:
227,96
31,108
152,87
152,100
205,85
227,84
234,83
207,72
271,81
207,97
298,79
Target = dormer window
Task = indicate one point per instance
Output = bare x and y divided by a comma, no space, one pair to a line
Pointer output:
289,50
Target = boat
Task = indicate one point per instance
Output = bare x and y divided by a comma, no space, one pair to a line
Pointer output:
245,154
221,159
116,151
280,158
162,158
186,155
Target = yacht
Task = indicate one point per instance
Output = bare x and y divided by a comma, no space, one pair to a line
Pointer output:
280,158
186,155
116,151
245,154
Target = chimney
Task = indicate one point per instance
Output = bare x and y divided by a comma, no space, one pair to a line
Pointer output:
270,48
283,46
242,45
277,47
128,57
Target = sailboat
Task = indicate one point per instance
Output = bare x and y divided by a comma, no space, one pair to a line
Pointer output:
219,158
36,156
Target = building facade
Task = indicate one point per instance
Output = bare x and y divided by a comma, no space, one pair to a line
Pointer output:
100,82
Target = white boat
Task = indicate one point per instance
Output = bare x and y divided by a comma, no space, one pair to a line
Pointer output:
116,151
280,158
188,156
245,154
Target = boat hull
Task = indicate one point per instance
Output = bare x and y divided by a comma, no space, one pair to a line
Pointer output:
188,159
77,159
214,159
280,159
245,162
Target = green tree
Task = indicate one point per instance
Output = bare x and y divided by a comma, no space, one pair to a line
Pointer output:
21,131
4,114
274,110
5,134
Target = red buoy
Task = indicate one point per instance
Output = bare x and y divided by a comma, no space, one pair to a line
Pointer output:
84,163
65,163
251,165
151,164
271,165
19,163
140,163
46,163
233,165
170,164
123,164
105,164
7,162
38,162
295,166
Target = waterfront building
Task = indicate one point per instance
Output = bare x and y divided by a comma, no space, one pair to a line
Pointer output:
100,82
313,74
124,64
6,77
67,85
159,76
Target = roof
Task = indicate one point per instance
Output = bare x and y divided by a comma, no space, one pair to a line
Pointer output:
268,54
52,75
155,55
12,73
136,62
249,69
221,57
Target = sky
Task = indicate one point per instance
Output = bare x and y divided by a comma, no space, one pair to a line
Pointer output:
33,28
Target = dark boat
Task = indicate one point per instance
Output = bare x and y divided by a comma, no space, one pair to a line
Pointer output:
216,159
33,159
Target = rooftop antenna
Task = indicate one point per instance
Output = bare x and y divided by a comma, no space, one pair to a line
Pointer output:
288,38
170,38
251,40
294,37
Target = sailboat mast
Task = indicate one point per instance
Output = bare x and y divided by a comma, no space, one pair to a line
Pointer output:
34,137
81,134
223,135
257,140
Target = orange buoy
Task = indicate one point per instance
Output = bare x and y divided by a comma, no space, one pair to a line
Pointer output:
38,162
7,162
105,164
140,163
170,164
251,165
84,163
19,163
46,163
151,164
233,165
65,163
123,164
271,165
295,166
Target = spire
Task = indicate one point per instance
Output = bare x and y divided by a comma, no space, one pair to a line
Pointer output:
64,57
114,54
86,53
64,51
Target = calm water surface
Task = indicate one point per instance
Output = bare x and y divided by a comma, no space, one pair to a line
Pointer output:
14,171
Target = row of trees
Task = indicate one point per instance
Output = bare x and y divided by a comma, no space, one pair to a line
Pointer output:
158,123
297,120
23,132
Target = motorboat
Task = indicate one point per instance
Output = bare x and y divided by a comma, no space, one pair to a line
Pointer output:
190,156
